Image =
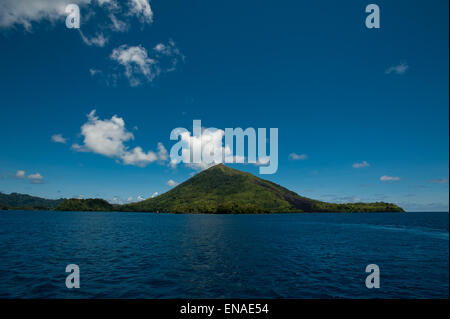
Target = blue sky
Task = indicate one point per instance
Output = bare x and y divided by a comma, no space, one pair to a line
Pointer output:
340,94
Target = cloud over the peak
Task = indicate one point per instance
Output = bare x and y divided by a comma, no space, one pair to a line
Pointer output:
108,137
207,147
210,141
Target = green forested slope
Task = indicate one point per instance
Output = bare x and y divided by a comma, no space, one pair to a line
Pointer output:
221,189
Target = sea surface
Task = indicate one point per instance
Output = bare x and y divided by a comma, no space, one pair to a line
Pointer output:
146,255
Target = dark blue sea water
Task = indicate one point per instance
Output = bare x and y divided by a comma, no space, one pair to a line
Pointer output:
138,255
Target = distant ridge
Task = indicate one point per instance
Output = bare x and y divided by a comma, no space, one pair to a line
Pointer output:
27,202
222,189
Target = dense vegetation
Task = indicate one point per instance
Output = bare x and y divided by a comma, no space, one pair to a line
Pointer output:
4,207
86,205
221,189
356,207
27,202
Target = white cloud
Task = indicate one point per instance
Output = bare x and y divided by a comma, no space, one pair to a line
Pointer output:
397,69
171,183
155,194
35,178
170,51
263,161
116,200
77,147
162,48
58,138
163,155
26,12
140,66
98,40
107,137
138,157
209,143
112,3
297,157
386,178
136,62
20,174
138,8
440,180
361,165
119,200
142,9
118,25
140,198
210,139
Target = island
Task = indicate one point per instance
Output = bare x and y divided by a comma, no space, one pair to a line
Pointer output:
223,190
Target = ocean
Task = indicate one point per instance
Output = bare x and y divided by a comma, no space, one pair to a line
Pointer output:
146,255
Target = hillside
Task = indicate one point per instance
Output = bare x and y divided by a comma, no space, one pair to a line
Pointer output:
87,205
221,189
27,202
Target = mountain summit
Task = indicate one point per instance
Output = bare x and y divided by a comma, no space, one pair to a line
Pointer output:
222,189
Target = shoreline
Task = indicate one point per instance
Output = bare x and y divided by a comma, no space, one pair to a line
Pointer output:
171,213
